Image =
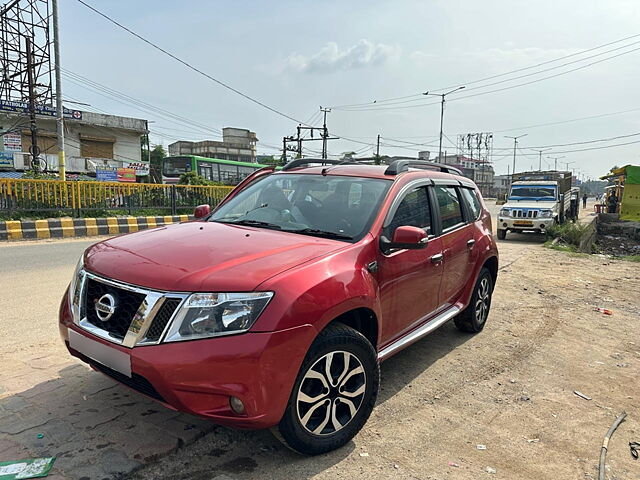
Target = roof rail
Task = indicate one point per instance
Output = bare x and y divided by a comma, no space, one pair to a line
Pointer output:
399,166
299,162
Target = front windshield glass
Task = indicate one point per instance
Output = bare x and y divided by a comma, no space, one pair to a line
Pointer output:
533,192
336,207
176,166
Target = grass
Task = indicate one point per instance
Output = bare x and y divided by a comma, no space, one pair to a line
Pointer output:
569,234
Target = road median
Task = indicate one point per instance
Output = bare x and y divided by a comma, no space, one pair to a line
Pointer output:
68,227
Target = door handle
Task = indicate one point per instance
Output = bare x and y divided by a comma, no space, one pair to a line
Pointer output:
437,258
471,243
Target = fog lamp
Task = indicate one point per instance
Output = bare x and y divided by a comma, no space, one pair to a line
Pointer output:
236,405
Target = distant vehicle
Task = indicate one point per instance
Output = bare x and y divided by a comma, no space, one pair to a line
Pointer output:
216,169
538,200
276,309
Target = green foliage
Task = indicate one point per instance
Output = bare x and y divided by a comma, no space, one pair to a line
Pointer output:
192,178
569,233
32,175
631,258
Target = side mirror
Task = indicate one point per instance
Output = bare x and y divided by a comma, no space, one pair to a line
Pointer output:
202,211
405,237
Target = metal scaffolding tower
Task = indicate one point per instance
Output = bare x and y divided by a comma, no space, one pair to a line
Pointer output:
24,27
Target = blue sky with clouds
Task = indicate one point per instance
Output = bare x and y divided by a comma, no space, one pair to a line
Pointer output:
298,55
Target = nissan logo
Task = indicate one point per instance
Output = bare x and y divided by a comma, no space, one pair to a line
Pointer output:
105,307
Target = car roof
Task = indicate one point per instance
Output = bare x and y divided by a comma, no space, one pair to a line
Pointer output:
375,171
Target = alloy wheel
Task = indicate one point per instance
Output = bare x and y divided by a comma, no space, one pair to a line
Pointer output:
483,301
331,393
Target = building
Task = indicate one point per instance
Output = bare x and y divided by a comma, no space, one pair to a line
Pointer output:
501,184
237,144
92,140
481,173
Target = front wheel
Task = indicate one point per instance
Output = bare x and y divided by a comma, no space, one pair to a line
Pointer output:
473,318
334,393
502,234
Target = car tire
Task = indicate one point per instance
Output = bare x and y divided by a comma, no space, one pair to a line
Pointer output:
325,411
473,318
502,234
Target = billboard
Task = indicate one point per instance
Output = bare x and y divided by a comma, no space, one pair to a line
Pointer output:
142,168
6,159
126,175
23,107
106,175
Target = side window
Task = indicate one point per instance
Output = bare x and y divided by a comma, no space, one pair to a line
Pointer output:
449,206
471,198
413,210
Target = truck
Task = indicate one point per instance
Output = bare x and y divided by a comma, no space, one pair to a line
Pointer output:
536,201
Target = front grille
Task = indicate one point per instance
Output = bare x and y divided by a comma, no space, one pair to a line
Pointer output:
126,306
136,382
162,319
525,213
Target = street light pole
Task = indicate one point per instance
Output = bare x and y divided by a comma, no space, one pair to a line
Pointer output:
62,168
555,162
515,145
540,157
442,96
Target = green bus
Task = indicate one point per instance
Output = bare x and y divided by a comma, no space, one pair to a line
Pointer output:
215,169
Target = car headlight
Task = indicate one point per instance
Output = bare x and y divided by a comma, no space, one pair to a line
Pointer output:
75,287
504,212
205,315
546,213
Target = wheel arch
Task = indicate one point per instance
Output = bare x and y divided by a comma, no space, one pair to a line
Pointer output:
362,319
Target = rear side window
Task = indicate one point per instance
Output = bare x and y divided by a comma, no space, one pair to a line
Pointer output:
449,205
471,198
413,210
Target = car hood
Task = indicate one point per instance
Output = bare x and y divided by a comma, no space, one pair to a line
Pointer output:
529,204
203,256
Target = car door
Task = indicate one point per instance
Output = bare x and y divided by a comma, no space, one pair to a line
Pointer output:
409,280
456,236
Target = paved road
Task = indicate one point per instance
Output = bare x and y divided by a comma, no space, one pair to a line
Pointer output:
96,428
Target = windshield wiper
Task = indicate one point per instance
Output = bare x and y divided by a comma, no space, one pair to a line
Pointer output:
322,233
251,223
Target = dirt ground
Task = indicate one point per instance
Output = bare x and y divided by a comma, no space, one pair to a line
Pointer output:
509,388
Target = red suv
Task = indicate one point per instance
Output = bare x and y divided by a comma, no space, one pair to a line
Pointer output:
275,309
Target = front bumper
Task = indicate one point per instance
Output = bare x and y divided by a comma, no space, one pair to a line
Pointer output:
200,376
514,224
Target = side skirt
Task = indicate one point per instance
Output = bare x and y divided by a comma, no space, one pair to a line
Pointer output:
418,333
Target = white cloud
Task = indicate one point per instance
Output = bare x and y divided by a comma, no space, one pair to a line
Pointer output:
331,59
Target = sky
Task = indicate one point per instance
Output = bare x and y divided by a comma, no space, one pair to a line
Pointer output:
295,56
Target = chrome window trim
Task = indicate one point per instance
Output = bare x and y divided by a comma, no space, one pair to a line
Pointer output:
143,318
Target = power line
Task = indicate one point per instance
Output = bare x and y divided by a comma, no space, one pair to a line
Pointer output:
188,65
500,74
497,89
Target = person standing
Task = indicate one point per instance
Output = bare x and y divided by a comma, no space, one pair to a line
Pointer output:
612,202
584,201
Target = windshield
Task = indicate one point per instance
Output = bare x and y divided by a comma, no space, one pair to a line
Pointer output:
336,207
533,192
175,166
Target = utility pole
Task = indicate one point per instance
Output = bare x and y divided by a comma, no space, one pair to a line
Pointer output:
377,162
299,140
555,162
62,168
325,132
515,146
34,150
442,95
540,157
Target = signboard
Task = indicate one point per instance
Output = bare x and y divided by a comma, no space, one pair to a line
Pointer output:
23,107
6,159
126,175
106,175
142,169
12,142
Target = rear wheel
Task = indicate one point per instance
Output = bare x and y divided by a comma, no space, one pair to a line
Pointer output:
334,393
502,234
474,317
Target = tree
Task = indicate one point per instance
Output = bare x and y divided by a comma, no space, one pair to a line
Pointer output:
192,178
157,154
